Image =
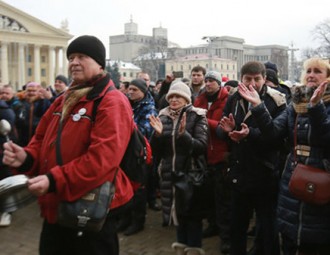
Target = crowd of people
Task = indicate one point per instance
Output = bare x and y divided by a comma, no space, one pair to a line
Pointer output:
235,135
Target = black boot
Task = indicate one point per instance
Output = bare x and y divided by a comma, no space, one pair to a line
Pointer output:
133,229
123,223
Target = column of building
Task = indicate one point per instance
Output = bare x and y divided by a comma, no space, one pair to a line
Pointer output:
21,68
4,62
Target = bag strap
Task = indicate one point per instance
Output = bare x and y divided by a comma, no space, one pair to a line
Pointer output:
98,101
295,139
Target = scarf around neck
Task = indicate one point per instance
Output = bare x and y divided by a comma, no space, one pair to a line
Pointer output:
302,95
75,92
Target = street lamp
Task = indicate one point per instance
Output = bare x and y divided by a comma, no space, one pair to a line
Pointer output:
209,40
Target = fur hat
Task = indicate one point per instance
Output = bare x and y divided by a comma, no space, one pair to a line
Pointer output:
272,76
62,78
214,75
140,84
179,88
90,46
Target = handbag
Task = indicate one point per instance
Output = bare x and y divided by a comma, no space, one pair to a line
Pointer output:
308,183
190,182
191,186
89,212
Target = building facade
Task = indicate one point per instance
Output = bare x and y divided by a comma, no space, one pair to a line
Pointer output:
128,46
128,71
227,67
30,49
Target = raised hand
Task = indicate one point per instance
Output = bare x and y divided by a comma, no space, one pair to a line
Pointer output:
182,126
318,93
156,123
237,136
227,124
249,94
13,154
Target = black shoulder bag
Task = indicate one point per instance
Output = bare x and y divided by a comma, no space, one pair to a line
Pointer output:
89,212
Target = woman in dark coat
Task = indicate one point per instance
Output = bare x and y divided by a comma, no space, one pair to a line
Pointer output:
305,227
181,133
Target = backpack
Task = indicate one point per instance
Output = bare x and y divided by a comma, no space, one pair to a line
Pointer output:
138,154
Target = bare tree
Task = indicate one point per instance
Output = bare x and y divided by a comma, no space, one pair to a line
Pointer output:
152,57
309,53
322,33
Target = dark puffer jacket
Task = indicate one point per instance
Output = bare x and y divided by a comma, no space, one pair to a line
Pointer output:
173,151
299,221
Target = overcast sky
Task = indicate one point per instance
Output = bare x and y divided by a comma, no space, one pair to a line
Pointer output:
258,22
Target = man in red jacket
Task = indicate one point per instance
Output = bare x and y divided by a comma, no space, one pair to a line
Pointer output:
91,151
214,98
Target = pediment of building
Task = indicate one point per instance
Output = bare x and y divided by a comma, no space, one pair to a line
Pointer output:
14,21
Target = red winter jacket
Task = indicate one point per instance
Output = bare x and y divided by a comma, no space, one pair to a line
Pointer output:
217,149
91,151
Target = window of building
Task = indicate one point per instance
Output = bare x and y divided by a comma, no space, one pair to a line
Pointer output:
29,58
43,72
43,59
29,71
131,74
124,74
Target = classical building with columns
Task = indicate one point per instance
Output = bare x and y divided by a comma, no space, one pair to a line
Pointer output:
30,49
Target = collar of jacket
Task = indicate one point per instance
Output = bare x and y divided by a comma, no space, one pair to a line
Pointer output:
98,87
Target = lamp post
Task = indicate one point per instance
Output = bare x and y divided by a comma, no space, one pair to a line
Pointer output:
292,50
209,40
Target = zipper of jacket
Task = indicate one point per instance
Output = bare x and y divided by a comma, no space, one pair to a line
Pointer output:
300,223
173,170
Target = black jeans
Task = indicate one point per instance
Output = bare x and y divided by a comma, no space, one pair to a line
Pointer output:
264,204
189,231
222,202
58,240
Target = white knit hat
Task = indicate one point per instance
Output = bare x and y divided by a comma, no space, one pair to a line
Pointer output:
181,89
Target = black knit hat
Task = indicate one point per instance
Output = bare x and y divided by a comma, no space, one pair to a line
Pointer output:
270,65
141,84
272,76
62,78
90,46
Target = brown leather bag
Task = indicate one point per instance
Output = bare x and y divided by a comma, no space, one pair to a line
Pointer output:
310,184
